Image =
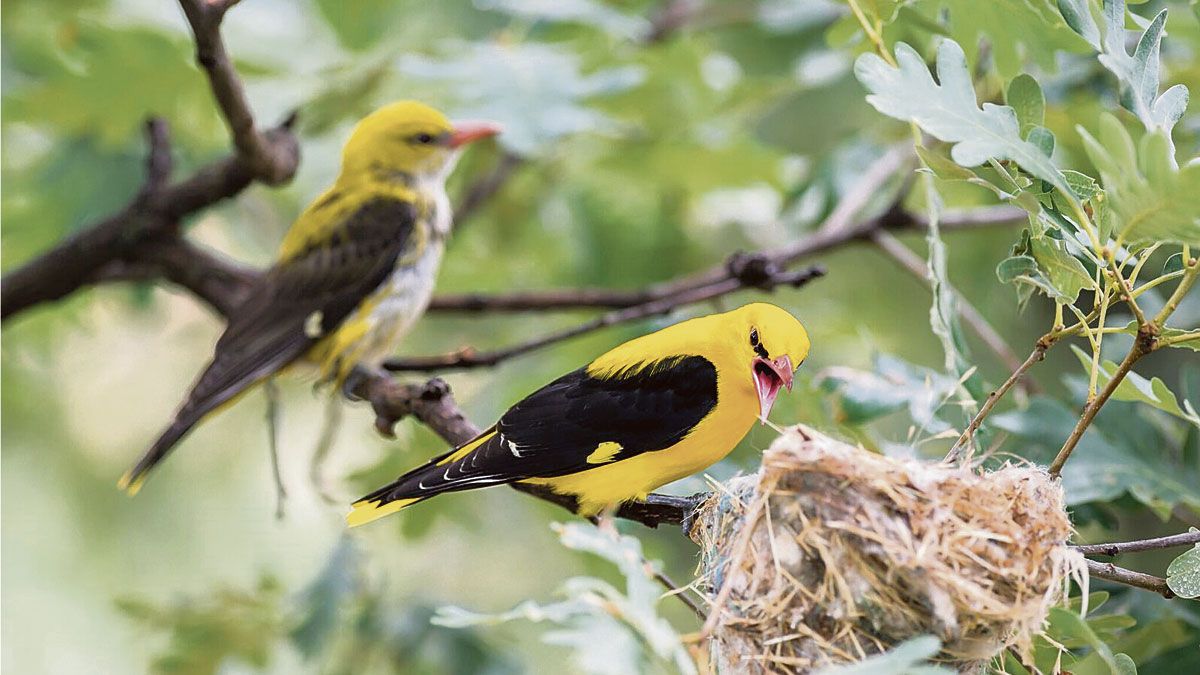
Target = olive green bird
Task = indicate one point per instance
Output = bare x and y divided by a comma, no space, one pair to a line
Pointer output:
353,274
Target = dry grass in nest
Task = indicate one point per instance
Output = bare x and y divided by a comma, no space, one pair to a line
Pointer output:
831,553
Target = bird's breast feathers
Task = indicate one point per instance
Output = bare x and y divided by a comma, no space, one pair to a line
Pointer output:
370,333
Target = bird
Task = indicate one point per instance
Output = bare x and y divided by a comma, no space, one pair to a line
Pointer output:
353,273
648,412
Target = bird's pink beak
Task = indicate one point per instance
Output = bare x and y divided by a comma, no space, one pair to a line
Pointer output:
468,132
769,378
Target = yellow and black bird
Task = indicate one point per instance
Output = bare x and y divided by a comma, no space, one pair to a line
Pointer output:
354,272
649,412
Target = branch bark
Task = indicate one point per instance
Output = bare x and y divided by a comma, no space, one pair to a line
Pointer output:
272,161
767,279
1120,575
1117,548
152,217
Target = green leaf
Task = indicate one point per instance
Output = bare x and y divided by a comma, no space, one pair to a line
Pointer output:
1082,185
1103,466
1025,270
1043,138
1183,574
1062,270
1173,264
943,167
1025,97
1017,31
1078,16
862,396
1072,628
1134,387
1150,199
1190,343
610,631
1138,75
949,111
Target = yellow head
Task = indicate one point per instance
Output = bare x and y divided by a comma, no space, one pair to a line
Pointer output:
410,141
756,349
767,343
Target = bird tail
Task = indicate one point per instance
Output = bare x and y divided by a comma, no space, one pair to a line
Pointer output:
410,488
133,479
365,510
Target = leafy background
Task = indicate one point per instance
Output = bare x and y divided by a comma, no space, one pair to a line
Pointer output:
646,160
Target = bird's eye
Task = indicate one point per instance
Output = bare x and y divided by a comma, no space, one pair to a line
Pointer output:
753,337
424,139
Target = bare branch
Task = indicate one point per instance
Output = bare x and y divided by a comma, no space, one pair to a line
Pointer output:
220,282
113,248
1039,352
1143,344
1117,548
605,298
1120,575
272,160
469,358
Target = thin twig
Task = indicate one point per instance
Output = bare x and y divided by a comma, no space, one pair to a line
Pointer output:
468,358
1190,271
139,240
1039,352
1117,548
1123,284
273,163
1120,575
1142,345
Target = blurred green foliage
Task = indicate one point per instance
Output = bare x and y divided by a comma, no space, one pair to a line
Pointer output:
647,159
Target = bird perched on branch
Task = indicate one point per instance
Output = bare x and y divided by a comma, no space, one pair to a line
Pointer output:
651,411
354,272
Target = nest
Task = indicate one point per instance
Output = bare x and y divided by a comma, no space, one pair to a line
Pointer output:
831,554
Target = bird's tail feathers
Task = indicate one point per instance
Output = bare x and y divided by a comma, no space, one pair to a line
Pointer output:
367,510
133,479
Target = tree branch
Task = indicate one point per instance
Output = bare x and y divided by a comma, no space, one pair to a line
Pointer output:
153,214
469,358
1117,548
1120,575
1039,352
271,161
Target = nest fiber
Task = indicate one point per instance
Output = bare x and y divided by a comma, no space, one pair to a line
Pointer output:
831,553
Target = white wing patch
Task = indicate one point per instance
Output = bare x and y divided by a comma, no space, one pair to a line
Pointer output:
512,447
312,325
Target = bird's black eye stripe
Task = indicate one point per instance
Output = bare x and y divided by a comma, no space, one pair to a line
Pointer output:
423,138
757,344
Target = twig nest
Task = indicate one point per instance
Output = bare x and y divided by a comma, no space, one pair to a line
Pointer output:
831,553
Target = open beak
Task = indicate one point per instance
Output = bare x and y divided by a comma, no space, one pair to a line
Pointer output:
468,132
769,378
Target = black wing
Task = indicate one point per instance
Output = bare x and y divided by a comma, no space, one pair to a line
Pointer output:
267,331
555,430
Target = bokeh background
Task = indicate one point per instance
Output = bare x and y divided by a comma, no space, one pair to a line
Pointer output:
644,159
